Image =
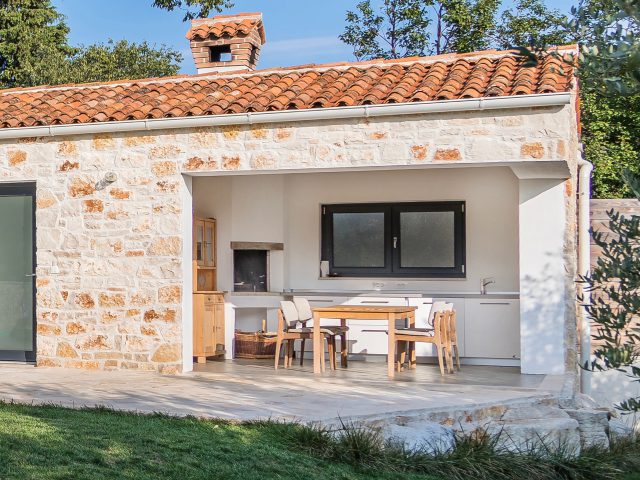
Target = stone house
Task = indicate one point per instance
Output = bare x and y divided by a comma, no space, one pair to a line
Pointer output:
99,184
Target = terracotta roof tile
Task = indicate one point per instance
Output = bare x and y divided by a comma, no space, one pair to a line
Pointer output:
227,26
475,75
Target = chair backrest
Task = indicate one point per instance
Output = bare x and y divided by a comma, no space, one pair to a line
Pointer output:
436,307
440,325
290,314
452,326
445,323
304,309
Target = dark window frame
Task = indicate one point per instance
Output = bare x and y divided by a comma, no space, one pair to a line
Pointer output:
392,211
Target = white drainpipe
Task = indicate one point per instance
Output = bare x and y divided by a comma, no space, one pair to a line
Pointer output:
294,116
584,266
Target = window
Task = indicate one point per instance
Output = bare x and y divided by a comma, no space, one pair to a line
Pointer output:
395,240
253,59
220,53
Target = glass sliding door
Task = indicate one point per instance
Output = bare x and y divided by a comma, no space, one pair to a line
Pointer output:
17,267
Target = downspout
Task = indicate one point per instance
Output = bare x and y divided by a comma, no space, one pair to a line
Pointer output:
584,266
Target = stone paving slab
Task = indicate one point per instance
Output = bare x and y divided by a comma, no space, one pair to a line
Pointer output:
246,393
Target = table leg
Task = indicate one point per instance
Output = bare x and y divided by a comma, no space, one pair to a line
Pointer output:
318,348
344,353
391,356
412,345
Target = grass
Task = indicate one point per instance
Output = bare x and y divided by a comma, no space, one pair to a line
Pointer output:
51,442
46,443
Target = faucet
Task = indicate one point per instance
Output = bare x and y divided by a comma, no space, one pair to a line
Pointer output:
483,284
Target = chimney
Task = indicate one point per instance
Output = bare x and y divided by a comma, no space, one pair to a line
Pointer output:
227,42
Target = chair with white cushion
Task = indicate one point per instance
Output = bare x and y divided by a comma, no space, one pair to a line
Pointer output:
438,306
436,335
305,313
290,329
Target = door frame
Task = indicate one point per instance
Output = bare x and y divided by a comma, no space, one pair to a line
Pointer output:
25,188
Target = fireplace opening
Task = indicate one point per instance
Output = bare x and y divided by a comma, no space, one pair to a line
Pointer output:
250,271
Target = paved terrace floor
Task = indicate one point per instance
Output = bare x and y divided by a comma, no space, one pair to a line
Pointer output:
244,390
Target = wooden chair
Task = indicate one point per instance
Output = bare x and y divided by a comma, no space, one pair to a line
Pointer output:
436,335
305,314
290,330
452,341
437,306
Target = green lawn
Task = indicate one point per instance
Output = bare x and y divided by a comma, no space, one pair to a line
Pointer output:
46,443
55,443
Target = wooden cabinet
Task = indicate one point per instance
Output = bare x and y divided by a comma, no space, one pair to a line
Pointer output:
492,328
208,304
208,325
204,255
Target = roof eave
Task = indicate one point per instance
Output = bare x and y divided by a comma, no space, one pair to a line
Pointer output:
306,115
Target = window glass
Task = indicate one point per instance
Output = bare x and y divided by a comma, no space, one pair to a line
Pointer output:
412,239
358,239
16,267
427,239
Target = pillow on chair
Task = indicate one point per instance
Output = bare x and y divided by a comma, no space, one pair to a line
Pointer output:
290,314
304,309
435,308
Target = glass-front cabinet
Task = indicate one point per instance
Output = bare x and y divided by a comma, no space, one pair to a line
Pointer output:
204,255
198,248
209,243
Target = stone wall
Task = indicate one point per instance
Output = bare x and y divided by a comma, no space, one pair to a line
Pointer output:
115,301
538,134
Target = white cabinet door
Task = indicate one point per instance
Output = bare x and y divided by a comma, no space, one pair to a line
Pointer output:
492,328
369,336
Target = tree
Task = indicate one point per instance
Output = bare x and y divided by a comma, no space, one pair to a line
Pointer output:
33,37
531,22
398,30
203,7
611,61
608,66
401,28
609,33
120,60
34,50
611,138
615,287
465,25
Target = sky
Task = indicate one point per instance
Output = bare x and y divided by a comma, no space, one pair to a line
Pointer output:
298,31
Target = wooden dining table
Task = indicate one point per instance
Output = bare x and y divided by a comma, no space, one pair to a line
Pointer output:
360,312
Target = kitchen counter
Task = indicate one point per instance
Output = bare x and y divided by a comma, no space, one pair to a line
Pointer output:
376,293
404,294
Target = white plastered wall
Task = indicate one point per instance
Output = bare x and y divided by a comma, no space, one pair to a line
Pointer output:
542,276
515,233
186,191
286,208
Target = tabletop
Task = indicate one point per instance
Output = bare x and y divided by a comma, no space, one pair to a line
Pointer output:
365,308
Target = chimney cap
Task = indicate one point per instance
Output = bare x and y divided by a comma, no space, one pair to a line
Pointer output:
227,26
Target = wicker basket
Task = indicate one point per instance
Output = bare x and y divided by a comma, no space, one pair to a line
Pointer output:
255,345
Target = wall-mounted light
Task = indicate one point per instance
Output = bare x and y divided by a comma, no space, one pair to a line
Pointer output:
107,180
